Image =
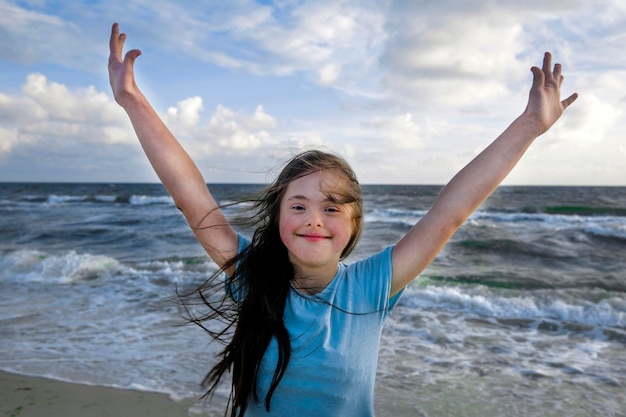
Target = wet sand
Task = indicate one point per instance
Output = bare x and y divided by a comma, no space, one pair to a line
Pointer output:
22,396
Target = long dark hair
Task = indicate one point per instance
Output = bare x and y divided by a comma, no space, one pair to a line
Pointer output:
262,278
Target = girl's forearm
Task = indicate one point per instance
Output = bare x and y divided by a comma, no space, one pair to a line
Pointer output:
477,180
172,164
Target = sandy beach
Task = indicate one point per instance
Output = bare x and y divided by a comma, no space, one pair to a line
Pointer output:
22,396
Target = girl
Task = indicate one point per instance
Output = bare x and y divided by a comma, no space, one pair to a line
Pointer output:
306,326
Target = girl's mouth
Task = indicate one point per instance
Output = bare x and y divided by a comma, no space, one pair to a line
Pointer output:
314,238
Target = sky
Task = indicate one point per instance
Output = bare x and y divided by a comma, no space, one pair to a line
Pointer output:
407,91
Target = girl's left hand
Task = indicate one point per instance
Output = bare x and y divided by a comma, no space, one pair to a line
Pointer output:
544,104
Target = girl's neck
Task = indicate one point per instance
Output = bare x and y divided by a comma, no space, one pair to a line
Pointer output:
313,281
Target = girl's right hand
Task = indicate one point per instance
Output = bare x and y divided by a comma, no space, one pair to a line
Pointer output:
121,73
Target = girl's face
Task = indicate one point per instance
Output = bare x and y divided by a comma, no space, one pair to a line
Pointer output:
313,226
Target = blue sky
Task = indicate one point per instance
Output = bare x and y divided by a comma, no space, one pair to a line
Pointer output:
407,91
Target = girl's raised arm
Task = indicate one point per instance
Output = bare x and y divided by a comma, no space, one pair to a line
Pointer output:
175,169
474,183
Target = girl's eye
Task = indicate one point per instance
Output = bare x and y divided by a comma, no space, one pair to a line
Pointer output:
332,209
297,207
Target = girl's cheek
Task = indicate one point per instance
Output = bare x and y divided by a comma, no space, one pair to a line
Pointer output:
285,228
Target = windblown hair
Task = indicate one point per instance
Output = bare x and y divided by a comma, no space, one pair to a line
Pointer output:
256,293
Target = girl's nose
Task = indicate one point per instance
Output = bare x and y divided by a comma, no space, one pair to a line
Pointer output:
315,219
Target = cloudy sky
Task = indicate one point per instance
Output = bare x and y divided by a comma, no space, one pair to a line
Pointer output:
408,91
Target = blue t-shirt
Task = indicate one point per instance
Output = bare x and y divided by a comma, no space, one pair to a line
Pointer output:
335,337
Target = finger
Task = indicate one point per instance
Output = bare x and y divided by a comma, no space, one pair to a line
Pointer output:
558,70
114,40
558,74
538,78
130,56
565,103
547,63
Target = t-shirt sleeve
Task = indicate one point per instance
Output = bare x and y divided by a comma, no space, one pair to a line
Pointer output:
373,276
234,289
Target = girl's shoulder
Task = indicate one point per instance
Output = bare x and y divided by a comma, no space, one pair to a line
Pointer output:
378,264
370,278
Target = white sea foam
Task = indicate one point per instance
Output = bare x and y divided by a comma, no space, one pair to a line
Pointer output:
35,266
141,200
609,229
59,199
106,198
399,216
610,312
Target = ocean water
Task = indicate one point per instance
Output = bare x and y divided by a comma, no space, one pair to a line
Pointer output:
522,314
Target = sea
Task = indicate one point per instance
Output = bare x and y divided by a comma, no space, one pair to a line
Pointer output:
523,313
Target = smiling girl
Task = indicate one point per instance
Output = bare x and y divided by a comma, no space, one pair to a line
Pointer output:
307,326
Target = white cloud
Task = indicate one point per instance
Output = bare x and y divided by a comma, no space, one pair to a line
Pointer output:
187,113
456,59
8,138
57,102
329,73
49,112
50,119
302,36
234,131
397,133
589,123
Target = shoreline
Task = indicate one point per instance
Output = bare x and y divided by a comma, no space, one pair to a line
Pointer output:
26,396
